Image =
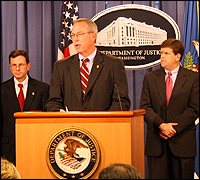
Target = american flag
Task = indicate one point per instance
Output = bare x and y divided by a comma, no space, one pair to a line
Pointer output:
69,13
68,160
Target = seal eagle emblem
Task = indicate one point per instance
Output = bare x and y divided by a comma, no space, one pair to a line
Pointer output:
73,153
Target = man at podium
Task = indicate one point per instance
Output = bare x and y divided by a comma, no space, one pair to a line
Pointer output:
88,80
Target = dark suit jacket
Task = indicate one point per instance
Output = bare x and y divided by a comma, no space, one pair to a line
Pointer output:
37,95
101,93
183,108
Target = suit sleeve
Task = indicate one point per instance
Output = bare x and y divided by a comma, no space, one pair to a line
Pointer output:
120,79
152,119
191,112
55,101
45,97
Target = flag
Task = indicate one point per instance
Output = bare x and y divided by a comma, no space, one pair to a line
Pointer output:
69,13
197,157
68,160
106,5
190,60
157,4
190,36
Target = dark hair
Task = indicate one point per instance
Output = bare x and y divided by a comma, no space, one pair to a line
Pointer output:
175,44
16,53
120,171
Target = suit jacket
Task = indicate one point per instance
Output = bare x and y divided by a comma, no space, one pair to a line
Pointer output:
37,95
101,93
183,108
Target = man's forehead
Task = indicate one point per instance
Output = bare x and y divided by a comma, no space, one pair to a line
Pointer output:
18,58
166,49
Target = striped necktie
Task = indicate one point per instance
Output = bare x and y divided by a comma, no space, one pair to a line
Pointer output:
84,76
168,87
21,97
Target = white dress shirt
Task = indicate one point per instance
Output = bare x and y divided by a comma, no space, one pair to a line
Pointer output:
24,88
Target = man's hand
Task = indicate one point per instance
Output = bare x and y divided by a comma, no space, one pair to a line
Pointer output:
62,110
163,136
167,130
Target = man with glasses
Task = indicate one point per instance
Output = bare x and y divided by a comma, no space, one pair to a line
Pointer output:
88,80
35,94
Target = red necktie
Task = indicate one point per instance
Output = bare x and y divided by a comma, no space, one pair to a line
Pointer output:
21,97
84,76
168,87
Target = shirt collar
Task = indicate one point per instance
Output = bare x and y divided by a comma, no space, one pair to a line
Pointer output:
173,71
25,82
90,57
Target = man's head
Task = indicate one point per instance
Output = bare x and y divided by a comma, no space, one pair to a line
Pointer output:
19,64
119,171
171,53
8,170
84,34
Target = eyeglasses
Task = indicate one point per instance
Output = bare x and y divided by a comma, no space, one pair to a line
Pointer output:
14,66
78,35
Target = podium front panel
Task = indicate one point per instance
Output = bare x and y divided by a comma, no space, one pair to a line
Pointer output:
120,138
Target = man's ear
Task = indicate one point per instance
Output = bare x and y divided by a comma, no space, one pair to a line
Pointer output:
28,66
178,57
94,36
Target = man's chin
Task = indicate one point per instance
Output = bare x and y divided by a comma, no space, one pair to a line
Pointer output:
77,50
18,77
162,65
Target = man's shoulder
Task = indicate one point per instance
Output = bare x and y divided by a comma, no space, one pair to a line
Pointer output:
110,59
7,82
188,74
155,72
35,81
188,71
65,60
109,56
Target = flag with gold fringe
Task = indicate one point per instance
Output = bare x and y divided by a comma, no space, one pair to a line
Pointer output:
190,60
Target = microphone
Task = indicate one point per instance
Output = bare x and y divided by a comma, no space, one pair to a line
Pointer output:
120,103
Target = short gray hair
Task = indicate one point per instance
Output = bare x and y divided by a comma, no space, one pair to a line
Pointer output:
92,27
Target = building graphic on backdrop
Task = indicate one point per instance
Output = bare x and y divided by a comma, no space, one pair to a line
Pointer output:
125,32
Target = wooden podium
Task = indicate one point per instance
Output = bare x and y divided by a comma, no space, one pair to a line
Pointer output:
120,135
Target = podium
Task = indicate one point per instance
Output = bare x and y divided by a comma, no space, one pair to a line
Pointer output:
120,135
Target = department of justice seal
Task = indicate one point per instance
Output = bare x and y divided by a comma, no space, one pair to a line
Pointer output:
134,33
73,153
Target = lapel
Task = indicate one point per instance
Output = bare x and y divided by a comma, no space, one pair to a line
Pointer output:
31,93
180,81
11,94
75,74
96,69
160,84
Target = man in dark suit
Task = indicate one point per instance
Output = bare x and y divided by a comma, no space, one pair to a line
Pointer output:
171,131
36,93
107,88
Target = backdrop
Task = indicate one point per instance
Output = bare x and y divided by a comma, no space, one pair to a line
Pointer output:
34,27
